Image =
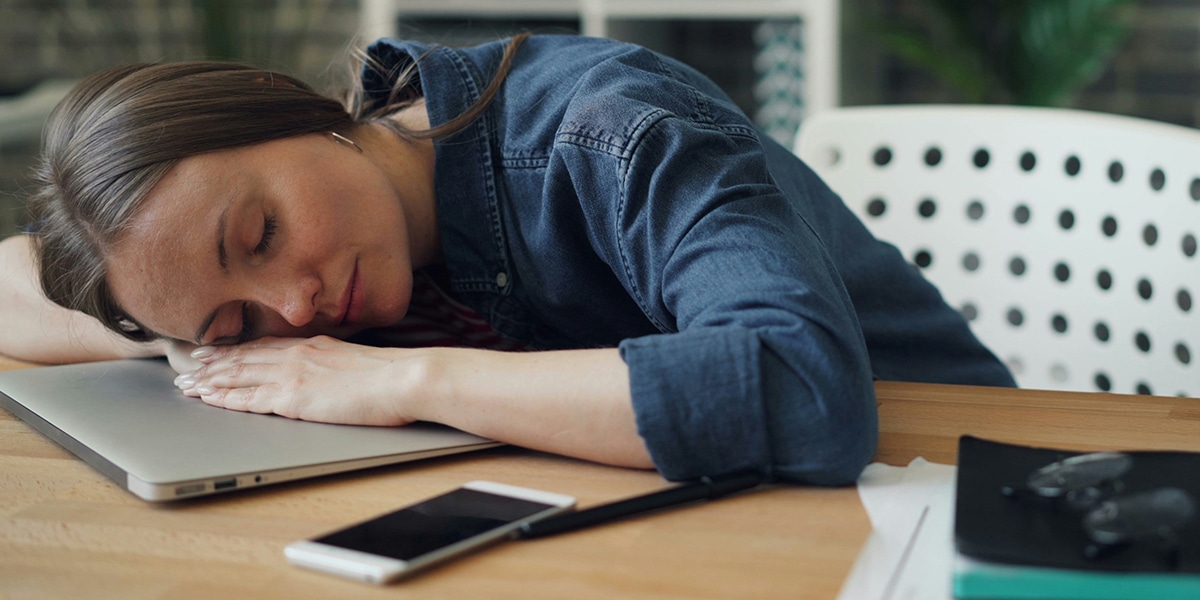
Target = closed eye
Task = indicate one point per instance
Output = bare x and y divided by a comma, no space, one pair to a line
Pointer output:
264,243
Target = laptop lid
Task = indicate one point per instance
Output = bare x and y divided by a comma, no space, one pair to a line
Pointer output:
127,419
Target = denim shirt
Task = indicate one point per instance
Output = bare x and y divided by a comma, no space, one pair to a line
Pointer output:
613,197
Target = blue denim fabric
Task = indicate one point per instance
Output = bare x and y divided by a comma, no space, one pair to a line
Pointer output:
612,197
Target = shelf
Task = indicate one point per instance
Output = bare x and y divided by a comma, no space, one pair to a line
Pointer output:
820,18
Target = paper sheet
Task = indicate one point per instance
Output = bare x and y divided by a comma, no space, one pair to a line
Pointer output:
909,554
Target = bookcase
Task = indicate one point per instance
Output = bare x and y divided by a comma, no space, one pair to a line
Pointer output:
793,68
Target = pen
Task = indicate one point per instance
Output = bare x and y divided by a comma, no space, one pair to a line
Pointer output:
700,489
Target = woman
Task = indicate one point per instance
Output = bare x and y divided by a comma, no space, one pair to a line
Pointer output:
699,301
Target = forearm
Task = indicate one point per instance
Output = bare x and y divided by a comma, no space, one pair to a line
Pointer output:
573,402
38,330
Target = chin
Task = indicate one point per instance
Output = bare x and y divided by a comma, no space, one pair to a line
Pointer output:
390,315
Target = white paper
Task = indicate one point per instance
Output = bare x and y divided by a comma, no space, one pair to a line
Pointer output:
909,554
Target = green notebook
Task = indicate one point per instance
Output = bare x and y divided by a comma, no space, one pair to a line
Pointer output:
974,579
1033,548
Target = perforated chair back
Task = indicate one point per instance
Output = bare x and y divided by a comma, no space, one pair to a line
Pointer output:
1067,238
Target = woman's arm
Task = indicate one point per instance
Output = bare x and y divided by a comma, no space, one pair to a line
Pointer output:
571,402
38,330
762,363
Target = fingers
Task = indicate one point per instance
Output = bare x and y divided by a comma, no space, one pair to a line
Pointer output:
208,354
226,374
234,376
245,388
254,349
246,399
179,356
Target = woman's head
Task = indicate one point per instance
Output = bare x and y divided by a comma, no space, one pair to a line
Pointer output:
294,237
120,132
124,168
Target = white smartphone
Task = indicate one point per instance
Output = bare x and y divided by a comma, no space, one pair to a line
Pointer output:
394,545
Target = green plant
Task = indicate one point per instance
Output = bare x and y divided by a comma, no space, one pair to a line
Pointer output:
1032,52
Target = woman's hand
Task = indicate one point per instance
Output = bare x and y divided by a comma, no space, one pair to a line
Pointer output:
179,354
313,379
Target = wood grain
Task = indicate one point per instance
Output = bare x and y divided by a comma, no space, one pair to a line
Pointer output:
927,420
68,532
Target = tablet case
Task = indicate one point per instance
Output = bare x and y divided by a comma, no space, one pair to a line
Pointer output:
1046,533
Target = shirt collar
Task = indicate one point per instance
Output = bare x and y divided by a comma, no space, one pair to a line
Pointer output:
473,241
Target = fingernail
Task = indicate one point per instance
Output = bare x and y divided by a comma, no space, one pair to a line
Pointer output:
185,381
203,352
205,390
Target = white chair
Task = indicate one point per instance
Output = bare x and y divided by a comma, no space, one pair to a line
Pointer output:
1067,238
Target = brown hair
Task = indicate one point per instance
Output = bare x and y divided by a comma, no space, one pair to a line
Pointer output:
118,132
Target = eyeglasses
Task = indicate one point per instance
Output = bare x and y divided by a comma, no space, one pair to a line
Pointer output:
1092,483
1081,480
1153,515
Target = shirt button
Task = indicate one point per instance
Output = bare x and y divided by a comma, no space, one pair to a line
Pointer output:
502,279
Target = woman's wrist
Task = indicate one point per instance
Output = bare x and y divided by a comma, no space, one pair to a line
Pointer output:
423,381
464,388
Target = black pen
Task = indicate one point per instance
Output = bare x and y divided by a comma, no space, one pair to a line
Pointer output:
700,489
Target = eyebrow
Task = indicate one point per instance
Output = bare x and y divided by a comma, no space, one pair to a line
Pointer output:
223,260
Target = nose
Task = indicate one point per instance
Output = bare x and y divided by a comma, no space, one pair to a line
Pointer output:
295,300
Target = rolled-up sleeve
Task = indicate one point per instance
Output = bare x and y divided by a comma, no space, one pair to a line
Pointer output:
762,362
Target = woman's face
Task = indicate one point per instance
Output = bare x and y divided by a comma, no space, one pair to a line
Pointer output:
293,238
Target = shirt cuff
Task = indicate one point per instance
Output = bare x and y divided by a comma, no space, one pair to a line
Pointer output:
698,401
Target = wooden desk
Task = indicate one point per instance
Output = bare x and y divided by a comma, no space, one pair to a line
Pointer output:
68,532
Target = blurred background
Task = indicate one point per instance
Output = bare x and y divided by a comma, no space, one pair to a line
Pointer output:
779,59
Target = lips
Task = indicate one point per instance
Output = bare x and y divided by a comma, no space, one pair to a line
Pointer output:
352,300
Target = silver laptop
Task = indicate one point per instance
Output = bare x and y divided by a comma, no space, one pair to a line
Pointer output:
128,420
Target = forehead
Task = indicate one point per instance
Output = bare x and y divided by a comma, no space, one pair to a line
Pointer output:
164,261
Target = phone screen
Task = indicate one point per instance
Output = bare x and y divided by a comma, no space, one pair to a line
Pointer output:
433,524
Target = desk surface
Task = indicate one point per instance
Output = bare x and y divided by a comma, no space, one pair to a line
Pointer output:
67,532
